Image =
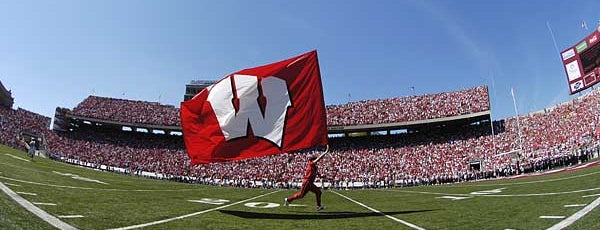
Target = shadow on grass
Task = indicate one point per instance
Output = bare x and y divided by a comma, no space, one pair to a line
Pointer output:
312,215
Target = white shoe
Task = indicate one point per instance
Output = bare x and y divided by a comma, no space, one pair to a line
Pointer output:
319,208
285,202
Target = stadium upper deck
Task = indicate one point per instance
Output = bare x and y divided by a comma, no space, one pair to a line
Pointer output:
6,99
368,112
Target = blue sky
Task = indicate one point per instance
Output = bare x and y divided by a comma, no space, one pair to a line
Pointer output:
56,53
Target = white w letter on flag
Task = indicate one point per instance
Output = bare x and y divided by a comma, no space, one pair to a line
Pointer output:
234,124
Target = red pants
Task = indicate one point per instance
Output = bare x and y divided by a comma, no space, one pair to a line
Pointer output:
304,189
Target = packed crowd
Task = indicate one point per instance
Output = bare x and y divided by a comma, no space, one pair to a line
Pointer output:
376,161
413,108
13,123
382,111
135,152
129,111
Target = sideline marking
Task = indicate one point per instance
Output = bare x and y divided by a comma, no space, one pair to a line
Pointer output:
27,193
454,197
191,214
574,205
498,195
16,157
70,216
571,219
40,203
381,213
77,177
552,217
297,205
104,189
591,195
488,192
525,182
35,210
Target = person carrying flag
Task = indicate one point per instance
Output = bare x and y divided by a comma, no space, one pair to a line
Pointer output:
308,182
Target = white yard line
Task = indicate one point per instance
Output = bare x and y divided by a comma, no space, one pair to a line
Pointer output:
16,157
191,214
41,203
574,205
27,193
35,210
297,205
552,217
103,189
591,195
499,195
381,213
571,219
14,185
70,216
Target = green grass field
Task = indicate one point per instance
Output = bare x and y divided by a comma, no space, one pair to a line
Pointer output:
122,201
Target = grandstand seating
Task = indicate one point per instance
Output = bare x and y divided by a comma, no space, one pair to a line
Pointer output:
129,111
383,111
405,159
14,122
6,99
413,108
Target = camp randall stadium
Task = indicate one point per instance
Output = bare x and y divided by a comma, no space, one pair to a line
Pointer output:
435,161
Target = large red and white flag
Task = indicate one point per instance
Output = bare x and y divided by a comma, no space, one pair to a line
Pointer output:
256,112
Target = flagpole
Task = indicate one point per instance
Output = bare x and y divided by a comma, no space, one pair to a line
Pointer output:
553,39
492,126
512,92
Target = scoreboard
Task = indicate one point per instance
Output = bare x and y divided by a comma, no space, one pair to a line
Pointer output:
582,63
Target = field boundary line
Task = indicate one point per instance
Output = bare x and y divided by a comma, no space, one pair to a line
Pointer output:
16,157
498,195
102,189
381,213
571,219
191,214
35,210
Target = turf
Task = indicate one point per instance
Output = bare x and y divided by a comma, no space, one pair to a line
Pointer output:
125,200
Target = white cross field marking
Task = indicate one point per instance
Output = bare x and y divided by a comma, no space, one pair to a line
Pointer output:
591,195
454,197
16,157
571,219
552,217
40,203
35,210
191,214
70,216
381,213
27,193
574,205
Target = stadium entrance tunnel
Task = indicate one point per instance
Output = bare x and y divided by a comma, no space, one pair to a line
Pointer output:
313,215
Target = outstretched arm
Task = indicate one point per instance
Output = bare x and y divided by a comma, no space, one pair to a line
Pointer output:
26,144
322,154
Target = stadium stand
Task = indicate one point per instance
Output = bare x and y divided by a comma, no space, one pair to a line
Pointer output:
15,123
420,158
129,111
390,110
413,108
6,99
